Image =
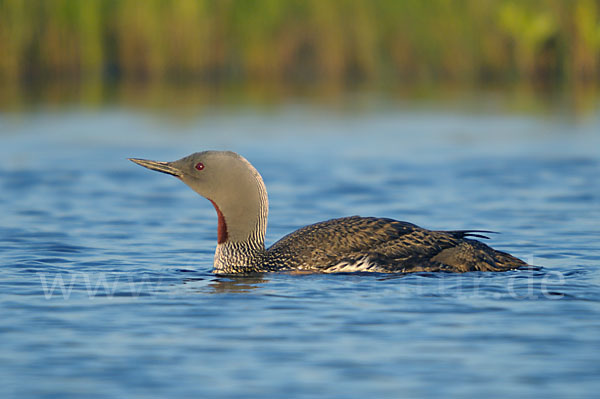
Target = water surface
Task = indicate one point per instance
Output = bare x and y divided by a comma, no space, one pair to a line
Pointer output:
105,267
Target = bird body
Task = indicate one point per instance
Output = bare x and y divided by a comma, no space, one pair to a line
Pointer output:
349,244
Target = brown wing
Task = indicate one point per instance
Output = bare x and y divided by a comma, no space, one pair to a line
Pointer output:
390,245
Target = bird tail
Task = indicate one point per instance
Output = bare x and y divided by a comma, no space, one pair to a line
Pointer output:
471,233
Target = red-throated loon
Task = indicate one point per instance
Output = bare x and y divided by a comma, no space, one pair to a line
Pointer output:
349,244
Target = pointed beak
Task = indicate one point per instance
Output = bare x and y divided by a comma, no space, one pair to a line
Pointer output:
164,167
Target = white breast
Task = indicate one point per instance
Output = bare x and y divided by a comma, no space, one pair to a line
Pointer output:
364,264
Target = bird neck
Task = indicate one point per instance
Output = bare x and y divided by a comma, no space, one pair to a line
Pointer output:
239,257
242,224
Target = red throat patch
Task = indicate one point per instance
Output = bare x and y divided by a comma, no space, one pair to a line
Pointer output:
222,226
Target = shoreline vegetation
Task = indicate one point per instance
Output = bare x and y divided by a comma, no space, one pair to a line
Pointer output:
544,45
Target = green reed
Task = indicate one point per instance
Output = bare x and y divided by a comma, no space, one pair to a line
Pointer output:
334,42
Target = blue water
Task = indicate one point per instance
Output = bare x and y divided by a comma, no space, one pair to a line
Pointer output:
105,283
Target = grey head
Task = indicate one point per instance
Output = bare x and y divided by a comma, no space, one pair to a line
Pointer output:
232,184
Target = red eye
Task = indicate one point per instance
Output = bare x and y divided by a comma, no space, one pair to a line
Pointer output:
199,166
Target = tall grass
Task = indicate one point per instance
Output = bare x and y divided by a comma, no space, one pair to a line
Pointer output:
335,42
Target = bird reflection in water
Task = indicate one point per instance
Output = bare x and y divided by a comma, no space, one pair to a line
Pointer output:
231,284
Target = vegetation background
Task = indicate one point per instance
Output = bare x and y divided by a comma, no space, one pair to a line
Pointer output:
99,51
